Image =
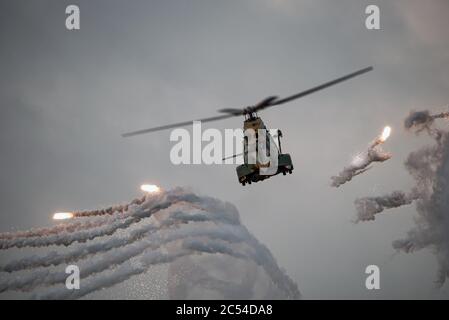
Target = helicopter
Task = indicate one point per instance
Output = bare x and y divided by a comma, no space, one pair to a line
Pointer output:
250,171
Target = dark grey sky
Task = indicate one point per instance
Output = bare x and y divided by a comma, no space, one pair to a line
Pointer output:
66,96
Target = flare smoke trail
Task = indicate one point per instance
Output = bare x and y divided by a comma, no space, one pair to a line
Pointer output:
62,236
111,210
159,229
125,248
54,258
362,161
429,167
368,207
106,216
66,227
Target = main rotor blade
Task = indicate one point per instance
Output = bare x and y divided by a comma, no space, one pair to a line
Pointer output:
268,102
320,87
233,111
175,125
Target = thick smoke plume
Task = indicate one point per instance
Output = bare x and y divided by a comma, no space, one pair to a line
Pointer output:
423,120
111,246
362,162
429,167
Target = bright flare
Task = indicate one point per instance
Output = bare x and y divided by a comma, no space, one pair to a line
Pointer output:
385,134
62,215
150,188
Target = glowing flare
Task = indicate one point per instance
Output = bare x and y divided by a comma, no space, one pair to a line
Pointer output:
150,188
62,215
385,134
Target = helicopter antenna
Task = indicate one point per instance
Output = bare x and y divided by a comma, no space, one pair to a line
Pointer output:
266,103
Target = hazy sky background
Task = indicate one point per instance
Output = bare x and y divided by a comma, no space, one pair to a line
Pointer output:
66,96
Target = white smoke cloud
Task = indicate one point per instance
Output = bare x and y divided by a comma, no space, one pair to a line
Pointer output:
158,230
429,166
65,227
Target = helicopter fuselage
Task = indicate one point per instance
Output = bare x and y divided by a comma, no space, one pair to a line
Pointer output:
249,171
